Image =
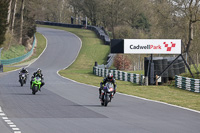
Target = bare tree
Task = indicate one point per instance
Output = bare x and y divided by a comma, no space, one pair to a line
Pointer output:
9,12
22,22
90,8
114,13
61,10
13,21
191,10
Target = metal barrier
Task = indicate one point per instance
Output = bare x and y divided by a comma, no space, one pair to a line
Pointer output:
98,30
189,84
120,75
18,59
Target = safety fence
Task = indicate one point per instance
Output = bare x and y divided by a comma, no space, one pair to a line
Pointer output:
98,30
100,33
18,59
120,75
110,60
189,84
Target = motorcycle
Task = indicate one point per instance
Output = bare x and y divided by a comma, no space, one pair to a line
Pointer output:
107,94
36,85
22,79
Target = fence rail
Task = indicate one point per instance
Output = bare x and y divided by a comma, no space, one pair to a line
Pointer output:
120,75
189,84
98,30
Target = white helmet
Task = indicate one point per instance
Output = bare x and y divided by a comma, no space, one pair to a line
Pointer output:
110,75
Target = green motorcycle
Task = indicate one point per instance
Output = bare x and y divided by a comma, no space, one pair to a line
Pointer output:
36,85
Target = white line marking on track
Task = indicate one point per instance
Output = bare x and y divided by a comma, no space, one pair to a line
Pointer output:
2,114
9,122
15,129
12,125
5,118
160,102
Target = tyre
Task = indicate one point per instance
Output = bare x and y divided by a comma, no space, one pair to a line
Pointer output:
102,100
21,83
106,100
34,90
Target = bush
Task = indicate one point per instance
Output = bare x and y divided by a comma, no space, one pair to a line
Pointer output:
123,32
122,62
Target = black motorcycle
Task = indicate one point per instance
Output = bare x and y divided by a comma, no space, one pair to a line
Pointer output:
107,94
22,79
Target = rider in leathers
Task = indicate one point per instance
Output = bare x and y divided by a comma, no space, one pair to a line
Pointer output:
25,71
109,78
39,74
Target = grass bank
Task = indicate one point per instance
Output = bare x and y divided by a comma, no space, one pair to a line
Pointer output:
41,44
13,52
94,50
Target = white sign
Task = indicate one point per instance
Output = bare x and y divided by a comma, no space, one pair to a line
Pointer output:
152,46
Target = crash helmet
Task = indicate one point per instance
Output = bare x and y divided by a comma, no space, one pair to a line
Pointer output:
110,76
39,71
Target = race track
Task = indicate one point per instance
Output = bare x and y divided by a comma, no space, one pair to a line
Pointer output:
64,106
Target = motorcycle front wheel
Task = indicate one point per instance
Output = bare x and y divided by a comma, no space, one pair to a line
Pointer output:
34,90
106,100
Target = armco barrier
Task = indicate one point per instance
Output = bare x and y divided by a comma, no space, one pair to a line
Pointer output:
98,30
189,84
124,76
18,59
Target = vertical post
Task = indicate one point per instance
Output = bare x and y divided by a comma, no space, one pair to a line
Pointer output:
139,61
1,66
151,58
86,22
146,81
0,54
197,60
151,75
156,80
186,59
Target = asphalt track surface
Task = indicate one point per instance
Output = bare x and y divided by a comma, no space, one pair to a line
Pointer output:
64,106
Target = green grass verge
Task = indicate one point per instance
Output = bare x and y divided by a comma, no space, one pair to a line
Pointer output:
13,52
41,44
93,50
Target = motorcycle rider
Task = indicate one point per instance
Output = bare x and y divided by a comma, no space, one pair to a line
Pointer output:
38,73
23,71
109,78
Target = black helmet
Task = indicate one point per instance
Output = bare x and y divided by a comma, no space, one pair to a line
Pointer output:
23,69
110,76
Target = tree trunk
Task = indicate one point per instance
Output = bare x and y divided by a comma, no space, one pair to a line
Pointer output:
13,21
61,11
22,22
9,12
113,32
190,36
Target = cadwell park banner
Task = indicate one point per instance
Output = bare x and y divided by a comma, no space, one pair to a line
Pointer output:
146,46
